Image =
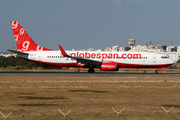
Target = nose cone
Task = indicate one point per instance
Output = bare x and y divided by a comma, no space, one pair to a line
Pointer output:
171,61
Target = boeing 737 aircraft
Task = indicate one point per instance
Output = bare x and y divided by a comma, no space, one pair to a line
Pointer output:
104,60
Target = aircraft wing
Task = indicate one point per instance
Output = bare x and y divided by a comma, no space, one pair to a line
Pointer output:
17,52
87,61
81,60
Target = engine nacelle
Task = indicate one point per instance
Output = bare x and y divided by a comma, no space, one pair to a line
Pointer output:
109,67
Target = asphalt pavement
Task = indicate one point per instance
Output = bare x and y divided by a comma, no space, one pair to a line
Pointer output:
85,74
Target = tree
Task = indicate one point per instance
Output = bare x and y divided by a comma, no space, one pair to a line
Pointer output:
127,48
7,62
178,61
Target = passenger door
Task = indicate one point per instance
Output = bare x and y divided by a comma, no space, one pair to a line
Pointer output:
154,58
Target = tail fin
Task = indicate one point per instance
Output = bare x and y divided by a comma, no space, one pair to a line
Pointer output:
23,41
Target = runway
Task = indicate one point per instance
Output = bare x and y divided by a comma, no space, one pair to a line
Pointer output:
86,74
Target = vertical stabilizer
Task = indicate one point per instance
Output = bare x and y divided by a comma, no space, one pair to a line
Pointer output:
23,40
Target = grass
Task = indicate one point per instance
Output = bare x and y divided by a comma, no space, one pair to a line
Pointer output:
94,91
37,105
89,98
41,98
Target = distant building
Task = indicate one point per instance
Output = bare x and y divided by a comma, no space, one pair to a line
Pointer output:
138,48
7,55
178,49
121,48
171,49
161,47
115,48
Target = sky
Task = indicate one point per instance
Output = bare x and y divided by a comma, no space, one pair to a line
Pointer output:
83,24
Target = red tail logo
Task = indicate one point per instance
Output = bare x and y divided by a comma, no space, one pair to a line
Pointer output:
23,41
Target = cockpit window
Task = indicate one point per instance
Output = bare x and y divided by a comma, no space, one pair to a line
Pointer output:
164,57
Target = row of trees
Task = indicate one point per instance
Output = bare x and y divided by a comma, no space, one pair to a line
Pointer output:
178,61
17,63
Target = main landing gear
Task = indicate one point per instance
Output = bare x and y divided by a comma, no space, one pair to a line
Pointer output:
157,71
91,70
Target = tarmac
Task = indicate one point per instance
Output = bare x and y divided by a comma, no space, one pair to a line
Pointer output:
86,74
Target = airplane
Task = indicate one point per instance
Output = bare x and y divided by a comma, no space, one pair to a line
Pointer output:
104,60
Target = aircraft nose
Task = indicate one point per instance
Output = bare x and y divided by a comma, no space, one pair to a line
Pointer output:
171,61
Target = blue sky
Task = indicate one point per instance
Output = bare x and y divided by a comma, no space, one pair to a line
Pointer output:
82,24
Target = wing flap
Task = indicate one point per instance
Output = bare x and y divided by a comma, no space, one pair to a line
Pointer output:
88,61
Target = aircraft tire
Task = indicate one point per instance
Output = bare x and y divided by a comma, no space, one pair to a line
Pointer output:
91,70
157,71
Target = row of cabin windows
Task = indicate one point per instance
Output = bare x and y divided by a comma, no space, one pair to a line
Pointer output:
55,57
98,57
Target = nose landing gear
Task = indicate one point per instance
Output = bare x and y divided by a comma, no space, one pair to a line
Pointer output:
157,71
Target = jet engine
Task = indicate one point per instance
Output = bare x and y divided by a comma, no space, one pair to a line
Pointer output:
109,67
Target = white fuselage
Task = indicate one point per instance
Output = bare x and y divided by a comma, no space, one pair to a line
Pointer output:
123,59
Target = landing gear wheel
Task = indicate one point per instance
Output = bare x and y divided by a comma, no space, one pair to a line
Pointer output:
91,70
157,71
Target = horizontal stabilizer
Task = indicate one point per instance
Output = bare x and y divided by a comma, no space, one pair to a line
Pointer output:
17,52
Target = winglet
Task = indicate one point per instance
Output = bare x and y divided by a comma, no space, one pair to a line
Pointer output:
63,52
